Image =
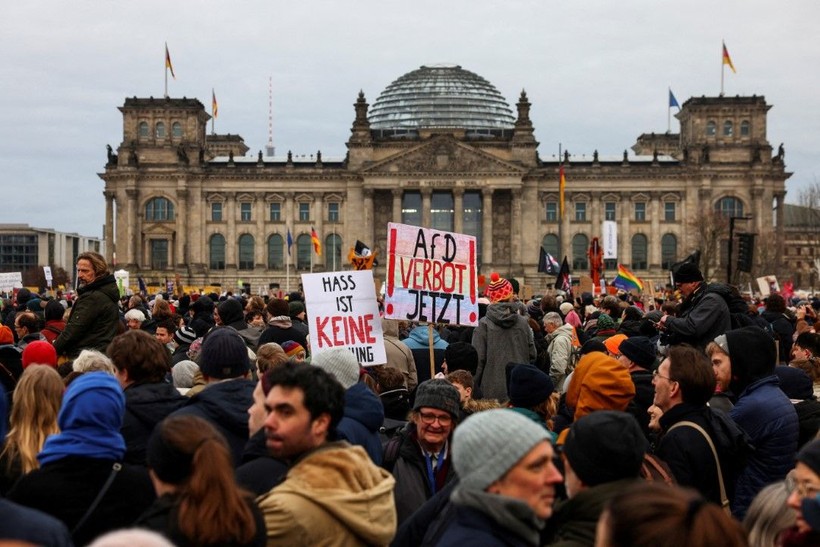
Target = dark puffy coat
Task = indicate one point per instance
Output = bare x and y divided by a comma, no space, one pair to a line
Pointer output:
280,335
689,457
259,471
66,488
363,416
468,526
11,357
225,404
783,329
31,526
145,406
644,396
703,316
93,320
419,345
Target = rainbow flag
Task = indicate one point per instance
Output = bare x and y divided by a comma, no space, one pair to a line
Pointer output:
626,280
317,245
728,60
169,66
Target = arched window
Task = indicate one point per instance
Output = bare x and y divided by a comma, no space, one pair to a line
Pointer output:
159,210
216,249
550,245
276,255
729,207
246,252
160,130
728,128
669,250
580,247
176,130
143,130
711,128
333,253
411,208
745,128
639,252
304,248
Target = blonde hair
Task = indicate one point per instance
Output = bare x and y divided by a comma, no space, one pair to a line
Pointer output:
270,355
36,404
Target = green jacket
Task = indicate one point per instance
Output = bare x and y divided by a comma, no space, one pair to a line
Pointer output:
93,320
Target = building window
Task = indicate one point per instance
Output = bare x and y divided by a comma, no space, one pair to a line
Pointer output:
159,210
640,211
159,254
333,212
160,127
669,211
304,248
216,248
275,212
276,255
580,247
610,263
550,245
609,211
471,221
552,211
581,211
411,208
711,128
333,252
19,252
669,251
441,211
639,252
304,212
729,207
216,211
246,252
143,130
176,130
728,128
745,128
245,212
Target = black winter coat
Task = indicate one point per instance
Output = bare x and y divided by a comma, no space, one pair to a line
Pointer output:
145,406
93,320
260,471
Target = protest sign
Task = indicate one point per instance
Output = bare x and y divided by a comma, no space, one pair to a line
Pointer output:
10,281
431,276
343,312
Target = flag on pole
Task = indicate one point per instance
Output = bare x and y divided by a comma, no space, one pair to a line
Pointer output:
214,106
672,100
562,183
169,66
317,245
290,241
547,263
564,280
726,59
626,280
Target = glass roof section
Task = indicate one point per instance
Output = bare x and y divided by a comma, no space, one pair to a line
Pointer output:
441,96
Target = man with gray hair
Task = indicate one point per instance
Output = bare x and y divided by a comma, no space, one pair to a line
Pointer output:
559,338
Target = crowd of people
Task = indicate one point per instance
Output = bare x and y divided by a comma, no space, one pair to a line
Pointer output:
564,419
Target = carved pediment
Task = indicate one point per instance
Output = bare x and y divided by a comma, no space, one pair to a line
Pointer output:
215,197
443,155
640,196
274,198
158,229
245,197
304,198
333,198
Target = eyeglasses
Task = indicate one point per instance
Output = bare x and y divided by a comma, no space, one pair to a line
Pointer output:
803,489
656,375
427,418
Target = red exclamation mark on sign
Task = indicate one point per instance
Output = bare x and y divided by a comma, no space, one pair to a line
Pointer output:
391,266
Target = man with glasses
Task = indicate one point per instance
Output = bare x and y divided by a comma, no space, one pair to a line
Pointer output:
684,382
419,456
804,488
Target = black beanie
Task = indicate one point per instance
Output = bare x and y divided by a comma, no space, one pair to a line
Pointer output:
810,455
529,386
605,446
640,350
687,273
461,356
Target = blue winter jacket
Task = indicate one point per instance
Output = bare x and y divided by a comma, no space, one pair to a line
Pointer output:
765,413
363,416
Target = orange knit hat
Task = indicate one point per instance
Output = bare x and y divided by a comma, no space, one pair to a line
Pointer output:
499,289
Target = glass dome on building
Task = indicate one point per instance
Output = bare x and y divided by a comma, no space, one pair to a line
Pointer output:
441,96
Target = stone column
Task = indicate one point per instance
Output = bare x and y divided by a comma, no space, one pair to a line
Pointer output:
131,257
319,225
398,193
779,232
259,239
426,199
516,235
182,234
654,236
109,226
486,226
367,194
230,239
458,210
624,238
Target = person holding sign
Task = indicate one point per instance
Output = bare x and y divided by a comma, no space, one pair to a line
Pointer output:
502,337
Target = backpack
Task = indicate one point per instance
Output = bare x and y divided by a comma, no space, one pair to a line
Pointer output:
738,308
654,469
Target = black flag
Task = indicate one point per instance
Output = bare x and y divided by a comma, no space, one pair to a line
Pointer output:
564,281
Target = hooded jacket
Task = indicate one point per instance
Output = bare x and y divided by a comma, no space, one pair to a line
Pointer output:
145,406
502,336
363,416
230,312
203,319
599,382
560,351
280,330
332,496
93,320
703,316
418,342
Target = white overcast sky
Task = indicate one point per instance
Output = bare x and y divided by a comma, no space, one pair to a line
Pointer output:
596,73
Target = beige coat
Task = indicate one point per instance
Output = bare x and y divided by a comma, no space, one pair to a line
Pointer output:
335,496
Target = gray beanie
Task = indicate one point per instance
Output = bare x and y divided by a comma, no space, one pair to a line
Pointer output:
439,394
341,363
183,374
490,443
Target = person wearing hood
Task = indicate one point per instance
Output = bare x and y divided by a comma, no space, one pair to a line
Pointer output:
399,355
231,313
229,391
280,326
743,361
560,336
684,382
203,316
419,343
502,336
797,386
95,314
333,493
142,363
363,412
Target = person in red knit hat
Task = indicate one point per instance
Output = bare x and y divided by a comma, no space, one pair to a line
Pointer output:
39,352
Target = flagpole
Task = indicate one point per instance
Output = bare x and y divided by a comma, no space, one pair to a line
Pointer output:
560,205
165,64
722,67
669,112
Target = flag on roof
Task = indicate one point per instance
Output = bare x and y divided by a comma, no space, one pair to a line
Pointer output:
726,59
170,67
672,100
214,106
562,184
626,280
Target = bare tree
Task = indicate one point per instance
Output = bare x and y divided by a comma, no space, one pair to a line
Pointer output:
804,226
711,232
